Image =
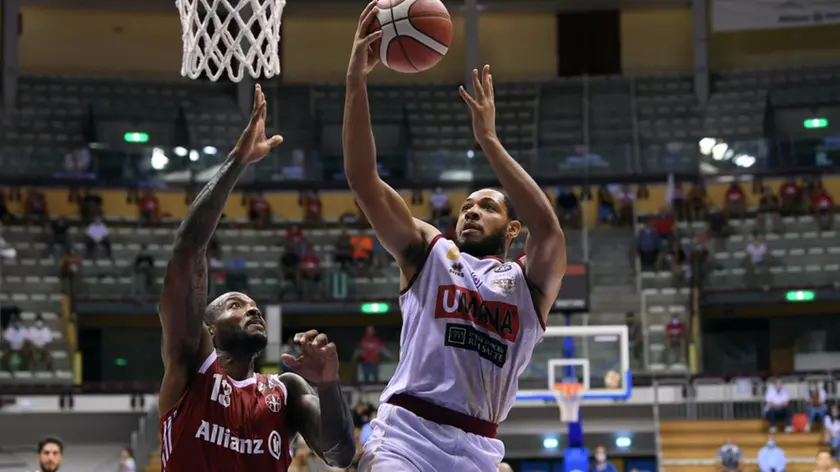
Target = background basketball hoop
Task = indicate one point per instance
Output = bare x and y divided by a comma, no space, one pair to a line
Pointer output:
568,399
232,37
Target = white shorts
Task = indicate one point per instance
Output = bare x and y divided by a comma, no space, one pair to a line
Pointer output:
403,442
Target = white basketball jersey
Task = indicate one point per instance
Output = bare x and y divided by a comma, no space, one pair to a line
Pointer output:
469,329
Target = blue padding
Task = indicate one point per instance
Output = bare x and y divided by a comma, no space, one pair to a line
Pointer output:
576,459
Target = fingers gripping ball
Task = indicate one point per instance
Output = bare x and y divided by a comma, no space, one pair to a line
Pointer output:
612,380
416,34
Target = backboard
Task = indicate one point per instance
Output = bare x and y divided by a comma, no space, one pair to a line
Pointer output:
597,357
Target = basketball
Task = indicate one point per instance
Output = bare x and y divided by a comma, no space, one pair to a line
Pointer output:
612,380
415,34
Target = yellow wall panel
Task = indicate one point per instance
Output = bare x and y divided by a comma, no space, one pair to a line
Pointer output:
655,41
774,48
519,45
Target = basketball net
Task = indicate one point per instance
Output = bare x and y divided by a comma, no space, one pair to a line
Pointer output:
567,396
219,36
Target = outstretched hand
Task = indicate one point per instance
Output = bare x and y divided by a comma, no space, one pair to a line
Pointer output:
318,361
483,106
253,144
363,58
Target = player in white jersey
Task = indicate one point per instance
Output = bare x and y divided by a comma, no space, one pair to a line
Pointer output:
470,319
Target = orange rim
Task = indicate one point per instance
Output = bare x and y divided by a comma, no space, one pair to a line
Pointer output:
568,389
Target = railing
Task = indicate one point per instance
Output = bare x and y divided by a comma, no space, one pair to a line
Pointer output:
657,435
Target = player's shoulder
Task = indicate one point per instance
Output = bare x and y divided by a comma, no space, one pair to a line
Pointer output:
267,383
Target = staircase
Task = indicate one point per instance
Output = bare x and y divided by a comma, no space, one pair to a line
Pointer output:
613,290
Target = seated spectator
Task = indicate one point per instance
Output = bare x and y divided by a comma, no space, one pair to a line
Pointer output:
259,211
16,337
90,206
768,209
776,409
601,464
674,254
236,279
96,235
823,208
735,201
70,266
771,458
626,206
362,250
568,207
825,462
730,458
343,255
439,205
756,263
675,333
817,409
36,207
606,206
40,340
312,208
144,271
664,224
648,246
719,228
294,233
60,237
127,463
149,209
677,202
290,264
697,202
831,429
790,194
310,274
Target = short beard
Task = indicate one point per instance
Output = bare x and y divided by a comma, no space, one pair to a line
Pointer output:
241,343
493,245
45,469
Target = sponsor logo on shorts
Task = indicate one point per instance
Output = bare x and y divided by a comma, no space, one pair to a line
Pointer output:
499,318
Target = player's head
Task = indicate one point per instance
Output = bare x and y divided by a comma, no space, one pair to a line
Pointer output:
50,453
486,224
237,325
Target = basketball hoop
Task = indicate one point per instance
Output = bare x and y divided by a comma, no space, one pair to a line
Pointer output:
567,396
232,36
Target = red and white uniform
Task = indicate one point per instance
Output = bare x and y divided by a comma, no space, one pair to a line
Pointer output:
222,424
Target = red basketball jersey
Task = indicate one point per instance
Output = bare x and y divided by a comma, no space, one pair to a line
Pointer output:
226,425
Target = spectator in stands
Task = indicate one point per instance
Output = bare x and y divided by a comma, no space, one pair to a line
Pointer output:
790,194
825,463
362,251
664,223
817,409
259,210
236,279
439,205
149,209
634,336
719,228
50,454
370,352
831,429
735,201
127,463
606,206
90,206
771,458
730,458
36,210
70,266
768,209
144,271
310,270
776,409
312,208
701,260
675,332
16,336
40,340
60,237
290,264
648,246
343,255
756,262
601,464
823,208
676,255
677,202
568,207
626,205
697,201
96,235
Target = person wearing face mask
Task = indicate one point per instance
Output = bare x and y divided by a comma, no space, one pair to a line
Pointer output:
601,464
40,338
831,427
16,336
776,409
771,458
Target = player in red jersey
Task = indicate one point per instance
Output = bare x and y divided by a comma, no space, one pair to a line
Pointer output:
216,413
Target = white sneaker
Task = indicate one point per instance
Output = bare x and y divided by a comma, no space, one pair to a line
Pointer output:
807,428
788,429
772,429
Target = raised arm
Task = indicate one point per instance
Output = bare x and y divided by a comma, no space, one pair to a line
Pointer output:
186,341
402,235
546,243
320,414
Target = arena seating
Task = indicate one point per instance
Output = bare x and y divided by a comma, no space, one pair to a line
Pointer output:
691,445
